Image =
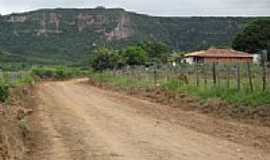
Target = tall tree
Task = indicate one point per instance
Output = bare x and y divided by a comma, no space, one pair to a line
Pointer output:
256,36
104,58
135,56
156,50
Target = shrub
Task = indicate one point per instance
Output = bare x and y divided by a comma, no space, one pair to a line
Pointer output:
26,79
104,58
43,73
4,91
61,73
58,73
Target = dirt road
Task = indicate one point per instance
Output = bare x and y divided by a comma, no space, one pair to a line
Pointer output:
75,121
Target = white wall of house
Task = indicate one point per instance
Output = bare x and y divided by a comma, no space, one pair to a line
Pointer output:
188,60
256,58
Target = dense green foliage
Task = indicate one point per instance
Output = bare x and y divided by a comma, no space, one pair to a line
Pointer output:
65,36
256,36
16,62
57,73
135,55
4,87
156,51
104,58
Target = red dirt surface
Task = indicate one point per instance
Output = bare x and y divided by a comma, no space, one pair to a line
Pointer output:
74,120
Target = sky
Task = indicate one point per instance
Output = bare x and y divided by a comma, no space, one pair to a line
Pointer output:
150,7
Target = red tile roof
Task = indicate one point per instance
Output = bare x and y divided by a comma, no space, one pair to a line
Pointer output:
220,53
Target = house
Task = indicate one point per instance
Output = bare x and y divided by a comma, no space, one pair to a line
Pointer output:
223,56
256,58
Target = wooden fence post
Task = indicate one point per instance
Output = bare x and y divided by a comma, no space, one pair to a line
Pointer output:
238,77
250,77
228,76
155,77
214,74
264,54
197,75
218,74
205,74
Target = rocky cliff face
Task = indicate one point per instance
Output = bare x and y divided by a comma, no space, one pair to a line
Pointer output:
69,33
50,22
123,29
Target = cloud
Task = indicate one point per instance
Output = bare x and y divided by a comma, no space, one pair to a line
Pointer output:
152,7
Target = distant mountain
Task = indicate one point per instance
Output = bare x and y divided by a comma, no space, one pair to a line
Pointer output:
67,35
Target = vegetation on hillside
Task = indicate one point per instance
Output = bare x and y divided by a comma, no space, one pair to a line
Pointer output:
255,37
26,43
147,53
37,38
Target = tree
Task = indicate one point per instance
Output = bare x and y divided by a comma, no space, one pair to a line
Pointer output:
256,36
135,56
157,51
104,58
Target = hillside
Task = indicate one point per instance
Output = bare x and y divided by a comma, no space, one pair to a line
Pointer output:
67,35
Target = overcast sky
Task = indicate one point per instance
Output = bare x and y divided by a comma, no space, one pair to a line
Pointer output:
151,7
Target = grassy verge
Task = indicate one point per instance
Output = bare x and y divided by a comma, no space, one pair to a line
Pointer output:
121,82
244,97
57,73
9,80
12,80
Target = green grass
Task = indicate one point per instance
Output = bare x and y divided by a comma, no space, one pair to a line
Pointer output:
9,80
243,97
122,82
4,91
57,73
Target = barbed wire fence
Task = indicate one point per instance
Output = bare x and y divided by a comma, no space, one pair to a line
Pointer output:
247,77
12,77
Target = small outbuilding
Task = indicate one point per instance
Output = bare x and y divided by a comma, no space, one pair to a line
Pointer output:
218,56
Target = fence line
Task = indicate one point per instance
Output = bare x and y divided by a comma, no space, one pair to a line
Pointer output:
247,77
12,77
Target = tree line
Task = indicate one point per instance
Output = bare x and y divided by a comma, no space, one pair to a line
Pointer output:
146,53
254,38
